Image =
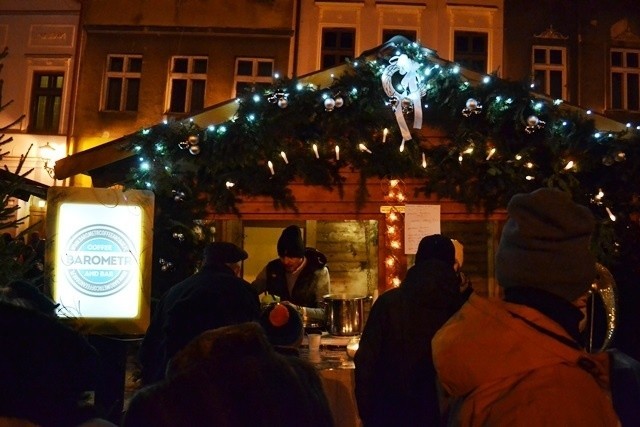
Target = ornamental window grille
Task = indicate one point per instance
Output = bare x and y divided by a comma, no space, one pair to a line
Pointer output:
187,83
122,85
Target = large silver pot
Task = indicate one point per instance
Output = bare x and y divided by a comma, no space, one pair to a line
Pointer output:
344,313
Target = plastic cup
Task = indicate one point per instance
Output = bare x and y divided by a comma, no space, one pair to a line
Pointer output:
314,342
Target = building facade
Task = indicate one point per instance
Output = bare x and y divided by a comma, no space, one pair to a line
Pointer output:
37,86
586,53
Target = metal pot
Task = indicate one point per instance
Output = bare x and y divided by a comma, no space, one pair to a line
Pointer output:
344,313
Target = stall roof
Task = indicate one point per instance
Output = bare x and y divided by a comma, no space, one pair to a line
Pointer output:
108,163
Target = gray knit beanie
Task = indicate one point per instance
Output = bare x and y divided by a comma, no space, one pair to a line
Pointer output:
545,244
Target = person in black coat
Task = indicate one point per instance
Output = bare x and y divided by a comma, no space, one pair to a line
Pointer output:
394,375
213,297
299,276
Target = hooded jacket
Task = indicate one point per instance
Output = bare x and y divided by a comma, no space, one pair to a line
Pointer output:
507,364
310,285
395,379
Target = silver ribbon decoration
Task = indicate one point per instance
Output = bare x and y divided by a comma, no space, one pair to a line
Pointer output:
411,89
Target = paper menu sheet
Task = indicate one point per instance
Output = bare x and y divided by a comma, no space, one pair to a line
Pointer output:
419,221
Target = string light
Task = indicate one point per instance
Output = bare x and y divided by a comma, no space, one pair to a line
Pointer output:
337,152
363,147
612,217
284,157
385,132
270,164
315,150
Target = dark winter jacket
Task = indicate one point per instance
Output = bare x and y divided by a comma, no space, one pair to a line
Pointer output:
211,298
305,290
395,378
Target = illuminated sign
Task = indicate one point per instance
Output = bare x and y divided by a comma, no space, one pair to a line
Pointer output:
99,255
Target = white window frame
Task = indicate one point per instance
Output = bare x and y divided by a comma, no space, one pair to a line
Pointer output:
125,76
625,71
547,67
190,76
254,78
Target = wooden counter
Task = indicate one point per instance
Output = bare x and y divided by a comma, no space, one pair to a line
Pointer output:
337,372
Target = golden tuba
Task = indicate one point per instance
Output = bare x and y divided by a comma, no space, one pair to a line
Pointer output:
605,287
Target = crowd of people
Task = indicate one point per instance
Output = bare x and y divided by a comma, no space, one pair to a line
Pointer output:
432,352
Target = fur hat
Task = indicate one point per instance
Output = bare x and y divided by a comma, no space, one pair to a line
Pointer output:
436,246
290,243
545,244
282,324
223,253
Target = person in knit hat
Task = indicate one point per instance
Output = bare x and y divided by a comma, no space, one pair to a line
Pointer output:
213,297
283,327
299,276
395,380
520,360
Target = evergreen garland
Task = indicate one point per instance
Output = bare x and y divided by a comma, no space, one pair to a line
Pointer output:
501,139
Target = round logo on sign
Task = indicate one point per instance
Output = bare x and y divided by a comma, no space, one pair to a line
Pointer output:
99,260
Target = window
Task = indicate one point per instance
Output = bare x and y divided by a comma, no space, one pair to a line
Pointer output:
625,79
187,83
549,65
338,44
252,73
470,50
46,102
123,82
388,34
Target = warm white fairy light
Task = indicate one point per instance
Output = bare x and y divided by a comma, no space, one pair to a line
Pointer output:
424,160
229,184
315,150
460,158
469,150
529,165
395,244
491,153
600,194
400,197
390,261
273,172
393,217
518,157
337,152
385,132
529,178
402,146
612,217
395,281
363,147
284,157
569,165
391,229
